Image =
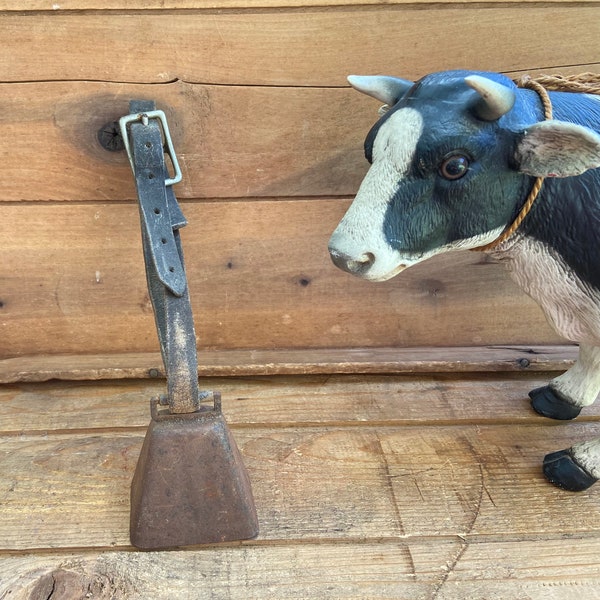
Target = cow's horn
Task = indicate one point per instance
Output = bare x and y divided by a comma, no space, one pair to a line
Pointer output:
386,89
496,99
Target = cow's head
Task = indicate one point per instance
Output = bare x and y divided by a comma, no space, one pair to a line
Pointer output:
452,160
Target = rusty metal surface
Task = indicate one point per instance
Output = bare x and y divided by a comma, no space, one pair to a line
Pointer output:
190,485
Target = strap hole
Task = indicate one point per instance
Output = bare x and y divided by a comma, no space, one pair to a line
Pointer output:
148,144
163,240
157,211
171,269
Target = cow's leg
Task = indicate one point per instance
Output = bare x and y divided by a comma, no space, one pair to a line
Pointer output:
565,396
578,467
575,469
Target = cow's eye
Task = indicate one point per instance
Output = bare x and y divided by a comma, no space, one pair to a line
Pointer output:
454,166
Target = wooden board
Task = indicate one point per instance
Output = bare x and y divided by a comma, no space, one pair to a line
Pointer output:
366,487
260,277
549,569
72,491
163,5
310,47
234,139
317,400
229,142
381,486
299,361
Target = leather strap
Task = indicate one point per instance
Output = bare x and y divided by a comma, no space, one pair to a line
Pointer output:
161,218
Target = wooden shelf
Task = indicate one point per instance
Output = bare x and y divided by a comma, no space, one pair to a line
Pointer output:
294,362
390,486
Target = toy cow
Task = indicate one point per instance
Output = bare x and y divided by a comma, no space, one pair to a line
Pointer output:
453,160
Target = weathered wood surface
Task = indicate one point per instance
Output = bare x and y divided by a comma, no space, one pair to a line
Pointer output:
165,5
549,569
295,48
379,486
366,487
260,277
293,362
230,141
316,400
270,140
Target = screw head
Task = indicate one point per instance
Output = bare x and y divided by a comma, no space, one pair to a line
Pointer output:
109,136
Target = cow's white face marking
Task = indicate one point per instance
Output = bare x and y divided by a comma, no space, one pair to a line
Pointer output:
361,233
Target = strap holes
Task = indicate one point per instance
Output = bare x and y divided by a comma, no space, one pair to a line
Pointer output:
150,175
148,144
171,269
157,211
163,240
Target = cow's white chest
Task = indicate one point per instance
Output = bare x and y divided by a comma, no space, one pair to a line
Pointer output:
571,306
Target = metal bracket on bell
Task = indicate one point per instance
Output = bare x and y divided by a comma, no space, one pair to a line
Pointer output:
190,485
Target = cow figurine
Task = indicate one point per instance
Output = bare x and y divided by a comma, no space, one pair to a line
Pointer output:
453,160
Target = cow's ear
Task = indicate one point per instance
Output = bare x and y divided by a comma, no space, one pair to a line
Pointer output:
558,149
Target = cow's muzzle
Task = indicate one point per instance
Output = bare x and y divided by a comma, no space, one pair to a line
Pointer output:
356,265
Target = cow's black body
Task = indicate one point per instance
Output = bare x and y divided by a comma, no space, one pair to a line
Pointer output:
566,217
566,214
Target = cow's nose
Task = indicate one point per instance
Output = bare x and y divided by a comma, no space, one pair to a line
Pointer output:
357,265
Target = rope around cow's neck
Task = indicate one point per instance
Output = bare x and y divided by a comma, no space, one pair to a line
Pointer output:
524,82
587,83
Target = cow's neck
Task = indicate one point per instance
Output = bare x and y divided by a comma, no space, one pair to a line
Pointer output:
554,258
566,219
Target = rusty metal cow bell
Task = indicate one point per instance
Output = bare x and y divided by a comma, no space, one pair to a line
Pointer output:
190,485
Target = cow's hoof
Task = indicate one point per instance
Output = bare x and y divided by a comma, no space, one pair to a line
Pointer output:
561,470
546,402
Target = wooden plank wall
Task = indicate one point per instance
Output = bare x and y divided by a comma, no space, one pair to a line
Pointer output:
270,141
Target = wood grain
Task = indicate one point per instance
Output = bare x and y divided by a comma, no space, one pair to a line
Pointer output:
366,487
260,277
307,47
388,485
255,127
546,569
299,361
324,400
477,481
164,5
230,142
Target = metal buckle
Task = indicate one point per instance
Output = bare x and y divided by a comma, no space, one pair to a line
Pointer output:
144,118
